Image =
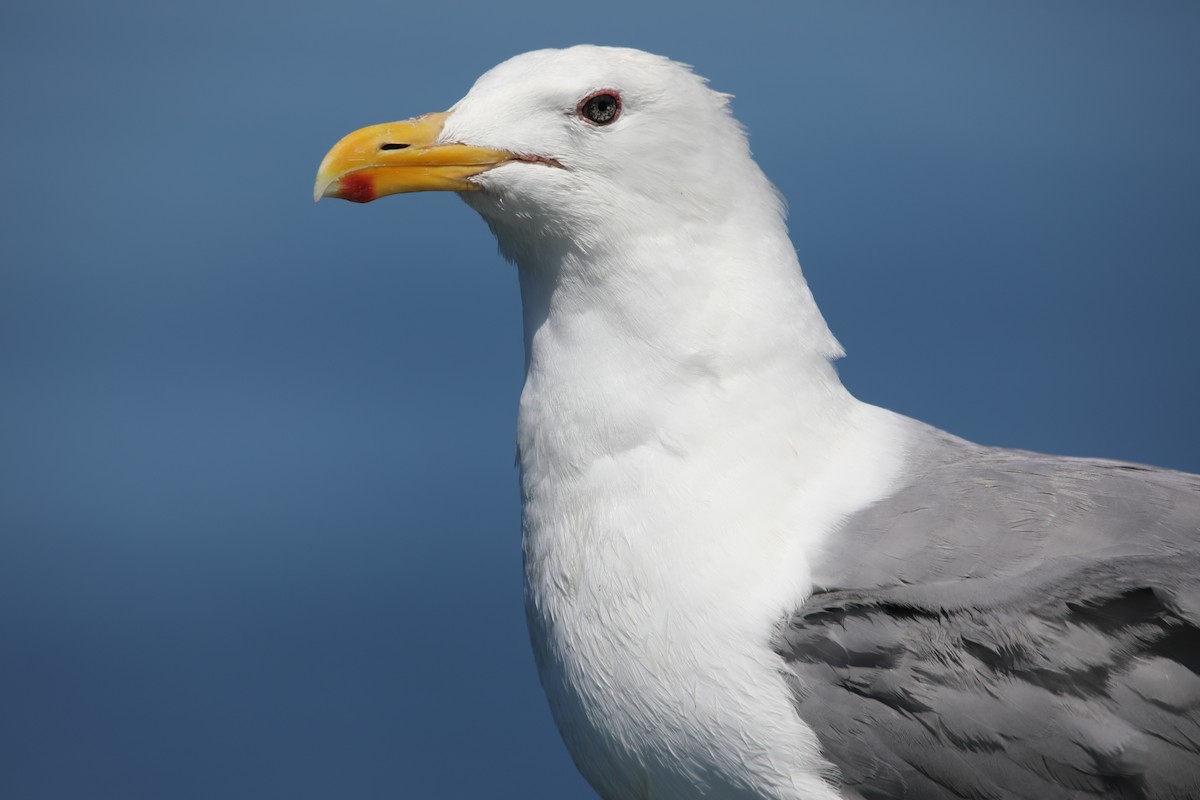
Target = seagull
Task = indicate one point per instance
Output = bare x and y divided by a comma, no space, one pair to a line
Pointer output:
740,581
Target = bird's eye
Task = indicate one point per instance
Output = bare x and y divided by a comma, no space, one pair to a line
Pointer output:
601,108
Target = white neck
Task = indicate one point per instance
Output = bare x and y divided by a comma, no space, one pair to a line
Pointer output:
621,343
685,444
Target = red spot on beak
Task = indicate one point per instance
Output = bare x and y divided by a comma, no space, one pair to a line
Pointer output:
357,188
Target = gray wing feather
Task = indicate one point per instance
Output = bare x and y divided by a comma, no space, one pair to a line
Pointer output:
1008,625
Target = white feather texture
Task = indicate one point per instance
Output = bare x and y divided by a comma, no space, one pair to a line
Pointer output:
685,443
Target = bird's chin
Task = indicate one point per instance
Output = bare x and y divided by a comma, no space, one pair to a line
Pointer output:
489,198
518,191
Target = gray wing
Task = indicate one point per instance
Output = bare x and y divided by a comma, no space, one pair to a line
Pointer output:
1008,625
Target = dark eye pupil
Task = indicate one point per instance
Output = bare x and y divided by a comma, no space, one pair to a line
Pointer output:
601,109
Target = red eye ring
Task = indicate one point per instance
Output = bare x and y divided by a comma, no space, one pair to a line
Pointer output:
600,108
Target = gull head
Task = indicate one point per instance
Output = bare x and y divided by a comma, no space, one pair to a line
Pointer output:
563,143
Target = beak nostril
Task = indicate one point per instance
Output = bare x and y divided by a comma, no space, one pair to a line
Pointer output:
393,146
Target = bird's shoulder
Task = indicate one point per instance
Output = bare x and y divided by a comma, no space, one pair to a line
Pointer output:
965,511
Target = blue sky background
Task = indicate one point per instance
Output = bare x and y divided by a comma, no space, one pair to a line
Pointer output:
258,510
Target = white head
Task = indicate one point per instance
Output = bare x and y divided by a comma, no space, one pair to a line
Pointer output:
661,139
618,166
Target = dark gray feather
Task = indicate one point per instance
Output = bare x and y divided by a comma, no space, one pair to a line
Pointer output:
1008,625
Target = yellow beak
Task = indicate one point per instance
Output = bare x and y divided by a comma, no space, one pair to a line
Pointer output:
401,157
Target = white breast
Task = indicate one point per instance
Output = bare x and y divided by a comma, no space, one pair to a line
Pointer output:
659,562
